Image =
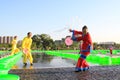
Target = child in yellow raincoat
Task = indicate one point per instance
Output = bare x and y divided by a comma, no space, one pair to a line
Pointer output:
14,46
26,47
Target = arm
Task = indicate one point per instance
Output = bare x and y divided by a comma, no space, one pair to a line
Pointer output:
90,41
77,35
30,43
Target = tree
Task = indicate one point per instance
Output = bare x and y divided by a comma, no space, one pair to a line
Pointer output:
43,41
46,41
36,41
95,45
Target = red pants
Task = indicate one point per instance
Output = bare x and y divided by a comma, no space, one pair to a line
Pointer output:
111,52
82,64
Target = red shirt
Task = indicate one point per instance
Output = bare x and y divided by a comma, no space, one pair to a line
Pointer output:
87,41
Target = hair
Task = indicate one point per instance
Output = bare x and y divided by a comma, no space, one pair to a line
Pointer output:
15,37
28,33
84,27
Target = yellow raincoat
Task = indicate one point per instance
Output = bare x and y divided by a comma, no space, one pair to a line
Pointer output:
14,47
26,46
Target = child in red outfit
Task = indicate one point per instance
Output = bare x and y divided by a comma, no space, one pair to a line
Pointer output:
85,47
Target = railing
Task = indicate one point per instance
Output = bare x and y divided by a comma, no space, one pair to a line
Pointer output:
4,54
6,64
96,57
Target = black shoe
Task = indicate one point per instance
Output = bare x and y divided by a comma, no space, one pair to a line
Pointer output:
31,64
77,70
25,64
85,69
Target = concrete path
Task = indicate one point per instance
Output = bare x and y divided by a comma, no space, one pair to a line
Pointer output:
94,73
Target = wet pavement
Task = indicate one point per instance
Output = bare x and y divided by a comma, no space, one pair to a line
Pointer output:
94,73
46,61
47,67
42,60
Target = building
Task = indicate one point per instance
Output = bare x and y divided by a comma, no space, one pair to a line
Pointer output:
57,42
62,41
6,39
11,38
1,40
106,43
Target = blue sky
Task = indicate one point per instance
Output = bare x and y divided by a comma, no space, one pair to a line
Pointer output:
55,17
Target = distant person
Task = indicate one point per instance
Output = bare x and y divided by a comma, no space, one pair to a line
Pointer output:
26,47
85,47
14,46
111,49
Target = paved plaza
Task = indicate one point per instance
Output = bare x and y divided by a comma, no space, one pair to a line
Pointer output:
94,73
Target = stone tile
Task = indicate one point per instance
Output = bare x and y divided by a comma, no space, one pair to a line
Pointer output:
94,73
